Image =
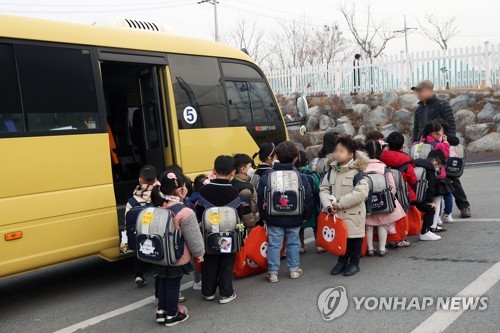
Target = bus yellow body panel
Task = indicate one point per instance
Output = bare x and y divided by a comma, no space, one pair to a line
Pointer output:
58,192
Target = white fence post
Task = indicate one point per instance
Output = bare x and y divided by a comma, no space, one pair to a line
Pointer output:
487,65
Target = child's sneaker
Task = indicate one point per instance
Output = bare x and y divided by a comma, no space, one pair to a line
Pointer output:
197,285
296,274
182,298
273,278
178,318
440,222
227,299
429,236
161,316
351,270
447,218
140,281
209,298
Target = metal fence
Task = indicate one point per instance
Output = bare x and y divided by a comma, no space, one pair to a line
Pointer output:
469,67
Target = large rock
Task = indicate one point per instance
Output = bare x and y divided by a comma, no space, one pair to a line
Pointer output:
404,116
476,132
461,139
388,129
367,128
361,108
325,123
349,100
313,138
486,143
346,128
374,100
360,137
381,114
343,120
290,109
460,102
488,113
496,119
443,96
312,118
409,101
312,151
464,118
390,97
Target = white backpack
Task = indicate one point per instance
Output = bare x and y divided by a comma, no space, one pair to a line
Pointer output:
158,241
382,199
284,193
220,227
421,150
422,184
402,192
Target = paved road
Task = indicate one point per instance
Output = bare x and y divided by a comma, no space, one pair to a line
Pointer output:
102,295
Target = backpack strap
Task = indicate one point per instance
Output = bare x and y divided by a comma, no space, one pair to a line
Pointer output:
205,203
234,204
133,202
357,178
176,208
403,167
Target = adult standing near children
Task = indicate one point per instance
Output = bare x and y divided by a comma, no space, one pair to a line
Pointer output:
432,108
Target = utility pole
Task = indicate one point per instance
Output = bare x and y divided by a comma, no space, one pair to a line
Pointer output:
213,2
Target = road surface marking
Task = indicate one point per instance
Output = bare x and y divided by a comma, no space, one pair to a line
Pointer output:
476,220
128,308
441,320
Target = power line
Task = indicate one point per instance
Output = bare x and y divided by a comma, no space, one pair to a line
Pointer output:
94,5
214,3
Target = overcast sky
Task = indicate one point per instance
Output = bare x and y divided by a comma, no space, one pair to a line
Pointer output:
478,20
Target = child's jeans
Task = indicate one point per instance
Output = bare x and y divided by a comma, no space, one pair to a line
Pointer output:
168,295
275,238
448,203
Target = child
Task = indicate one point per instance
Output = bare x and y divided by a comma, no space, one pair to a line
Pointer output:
385,222
395,158
266,156
217,271
339,195
199,182
170,192
431,165
302,165
142,197
244,171
433,134
318,165
279,226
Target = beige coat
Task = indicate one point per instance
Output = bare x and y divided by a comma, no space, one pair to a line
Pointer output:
350,198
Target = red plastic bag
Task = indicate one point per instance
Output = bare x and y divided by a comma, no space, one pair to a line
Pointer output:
256,246
244,266
414,221
331,234
364,247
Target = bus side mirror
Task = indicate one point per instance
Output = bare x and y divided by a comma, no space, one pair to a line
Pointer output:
302,106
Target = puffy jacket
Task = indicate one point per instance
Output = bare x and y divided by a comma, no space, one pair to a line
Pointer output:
285,221
350,198
248,196
396,159
433,109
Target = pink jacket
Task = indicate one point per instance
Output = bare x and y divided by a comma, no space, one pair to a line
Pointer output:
376,166
444,147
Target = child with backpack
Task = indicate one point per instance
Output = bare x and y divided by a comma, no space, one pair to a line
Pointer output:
142,197
267,156
244,171
428,168
302,165
170,194
340,194
433,134
395,158
385,220
285,201
217,270
319,164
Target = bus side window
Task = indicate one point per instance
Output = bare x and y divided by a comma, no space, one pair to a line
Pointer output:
11,117
263,106
58,88
240,109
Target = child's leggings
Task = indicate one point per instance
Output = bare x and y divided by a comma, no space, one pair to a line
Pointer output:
382,237
168,295
437,202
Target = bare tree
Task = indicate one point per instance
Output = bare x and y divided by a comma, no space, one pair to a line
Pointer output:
330,42
372,36
291,44
247,35
439,31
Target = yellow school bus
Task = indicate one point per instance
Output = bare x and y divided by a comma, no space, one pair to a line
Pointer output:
82,108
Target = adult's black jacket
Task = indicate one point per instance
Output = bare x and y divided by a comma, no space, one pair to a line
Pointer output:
434,109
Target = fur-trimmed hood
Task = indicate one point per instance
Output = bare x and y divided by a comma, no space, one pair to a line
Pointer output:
359,162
